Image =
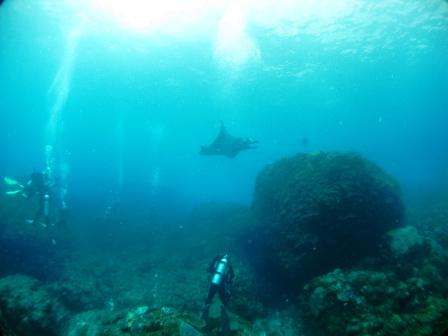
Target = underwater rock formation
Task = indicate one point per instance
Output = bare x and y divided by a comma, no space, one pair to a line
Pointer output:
320,211
433,221
137,321
404,293
81,291
402,243
28,308
279,323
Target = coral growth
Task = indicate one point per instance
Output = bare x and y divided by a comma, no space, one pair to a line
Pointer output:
403,294
322,211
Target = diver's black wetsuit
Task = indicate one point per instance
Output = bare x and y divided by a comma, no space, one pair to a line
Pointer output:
221,282
223,288
40,186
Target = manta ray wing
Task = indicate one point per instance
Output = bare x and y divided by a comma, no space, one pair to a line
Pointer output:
222,139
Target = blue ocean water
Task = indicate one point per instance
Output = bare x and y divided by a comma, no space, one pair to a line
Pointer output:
126,93
115,99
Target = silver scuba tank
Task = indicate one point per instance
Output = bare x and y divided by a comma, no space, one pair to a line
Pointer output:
221,270
46,205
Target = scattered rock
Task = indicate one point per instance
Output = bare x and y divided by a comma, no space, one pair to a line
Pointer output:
402,241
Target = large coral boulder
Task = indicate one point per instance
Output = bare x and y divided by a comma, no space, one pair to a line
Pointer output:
321,211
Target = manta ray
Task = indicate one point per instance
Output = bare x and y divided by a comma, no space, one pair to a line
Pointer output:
227,145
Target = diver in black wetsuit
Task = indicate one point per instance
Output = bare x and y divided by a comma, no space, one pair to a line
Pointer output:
40,185
221,283
48,192
44,188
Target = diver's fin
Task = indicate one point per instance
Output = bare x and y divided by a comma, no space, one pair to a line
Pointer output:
225,322
11,182
13,192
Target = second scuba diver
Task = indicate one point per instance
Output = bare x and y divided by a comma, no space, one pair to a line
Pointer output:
221,283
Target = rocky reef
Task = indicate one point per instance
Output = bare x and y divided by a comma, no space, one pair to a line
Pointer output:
327,228
320,211
28,308
402,292
432,220
137,321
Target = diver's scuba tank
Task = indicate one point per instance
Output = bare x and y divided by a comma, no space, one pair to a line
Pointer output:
46,205
221,270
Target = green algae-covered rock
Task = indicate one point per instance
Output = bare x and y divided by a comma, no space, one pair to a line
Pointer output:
28,308
403,241
378,303
138,321
322,211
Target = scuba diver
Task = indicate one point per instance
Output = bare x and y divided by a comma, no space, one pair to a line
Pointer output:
42,186
221,283
227,145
